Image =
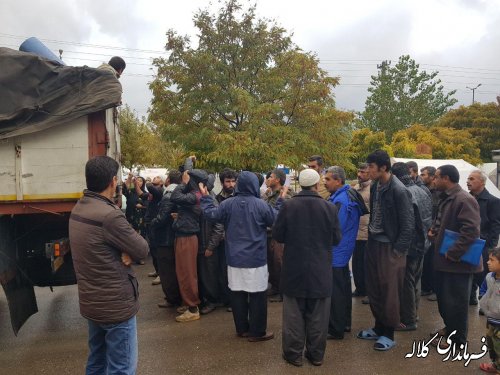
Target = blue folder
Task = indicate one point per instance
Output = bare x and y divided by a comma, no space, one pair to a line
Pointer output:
472,256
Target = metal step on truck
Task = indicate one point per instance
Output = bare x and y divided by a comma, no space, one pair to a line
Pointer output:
53,118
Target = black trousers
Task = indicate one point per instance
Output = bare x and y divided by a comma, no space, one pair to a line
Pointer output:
358,266
153,249
224,292
427,284
305,320
250,312
341,301
208,278
168,277
453,292
410,296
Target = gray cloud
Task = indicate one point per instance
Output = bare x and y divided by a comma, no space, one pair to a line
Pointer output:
385,33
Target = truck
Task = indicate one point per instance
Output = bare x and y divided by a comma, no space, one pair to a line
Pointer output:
53,118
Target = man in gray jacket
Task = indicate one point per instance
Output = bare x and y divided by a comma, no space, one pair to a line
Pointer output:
422,209
103,245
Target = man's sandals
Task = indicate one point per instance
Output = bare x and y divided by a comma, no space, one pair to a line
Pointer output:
383,343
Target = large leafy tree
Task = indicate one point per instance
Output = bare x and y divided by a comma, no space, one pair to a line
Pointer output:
403,95
141,145
245,96
440,143
483,123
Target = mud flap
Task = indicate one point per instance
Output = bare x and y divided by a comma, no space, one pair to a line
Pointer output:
22,302
18,289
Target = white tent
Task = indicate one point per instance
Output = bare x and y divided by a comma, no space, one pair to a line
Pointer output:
463,167
490,169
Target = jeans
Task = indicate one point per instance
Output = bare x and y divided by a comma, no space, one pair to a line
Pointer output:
113,348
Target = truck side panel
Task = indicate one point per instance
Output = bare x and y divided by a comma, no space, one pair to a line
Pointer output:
52,162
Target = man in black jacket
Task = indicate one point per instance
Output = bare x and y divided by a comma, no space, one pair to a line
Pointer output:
390,233
489,209
186,197
161,227
309,227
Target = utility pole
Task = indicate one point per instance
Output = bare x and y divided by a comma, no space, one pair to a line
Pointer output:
473,91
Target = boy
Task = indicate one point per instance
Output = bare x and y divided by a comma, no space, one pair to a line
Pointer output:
490,303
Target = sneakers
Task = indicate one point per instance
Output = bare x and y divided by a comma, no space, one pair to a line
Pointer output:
156,281
207,309
181,309
152,274
188,316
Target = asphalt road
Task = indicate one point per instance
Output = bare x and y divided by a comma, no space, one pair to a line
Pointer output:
54,341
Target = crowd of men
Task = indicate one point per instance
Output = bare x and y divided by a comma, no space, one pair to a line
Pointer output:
245,246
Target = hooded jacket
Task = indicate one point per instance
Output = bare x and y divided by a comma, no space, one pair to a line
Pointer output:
246,218
349,213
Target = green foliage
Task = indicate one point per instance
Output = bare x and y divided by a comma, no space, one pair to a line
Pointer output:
363,142
246,97
445,143
403,95
483,123
141,144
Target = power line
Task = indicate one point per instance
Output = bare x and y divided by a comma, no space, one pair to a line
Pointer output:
84,44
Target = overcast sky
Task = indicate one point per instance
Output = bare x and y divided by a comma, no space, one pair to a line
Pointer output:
460,38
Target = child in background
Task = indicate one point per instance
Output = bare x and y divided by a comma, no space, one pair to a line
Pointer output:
490,304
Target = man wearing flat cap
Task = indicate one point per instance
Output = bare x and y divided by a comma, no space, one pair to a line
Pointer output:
308,226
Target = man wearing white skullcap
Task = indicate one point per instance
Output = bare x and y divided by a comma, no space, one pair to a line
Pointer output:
308,226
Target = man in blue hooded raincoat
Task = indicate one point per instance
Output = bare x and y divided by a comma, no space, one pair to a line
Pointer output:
246,218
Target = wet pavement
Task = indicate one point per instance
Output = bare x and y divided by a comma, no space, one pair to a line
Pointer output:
54,341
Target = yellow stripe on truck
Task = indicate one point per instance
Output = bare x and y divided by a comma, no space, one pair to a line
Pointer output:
35,197
8,197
